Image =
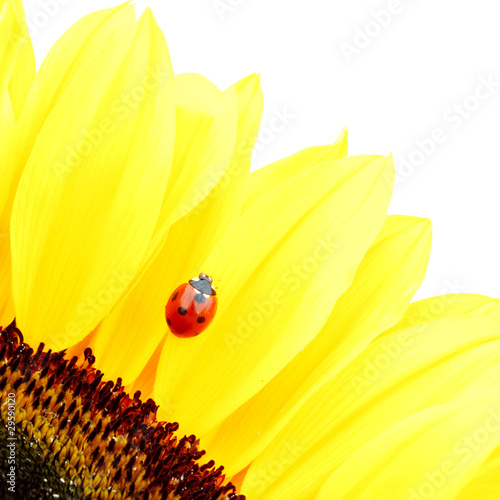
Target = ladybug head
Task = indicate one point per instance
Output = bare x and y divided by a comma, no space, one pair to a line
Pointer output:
205,277
203,284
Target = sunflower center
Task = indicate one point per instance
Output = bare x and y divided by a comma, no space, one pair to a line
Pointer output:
69,434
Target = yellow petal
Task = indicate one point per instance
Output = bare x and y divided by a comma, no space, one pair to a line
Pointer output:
265,180
383,286
24,68
13,37
90,195
442,306
205,118
432,454
281,267
6,301
208,118
396,375
62,63
225,201
11,40
486,482
65,59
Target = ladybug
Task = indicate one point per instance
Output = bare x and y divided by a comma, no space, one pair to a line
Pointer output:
191,308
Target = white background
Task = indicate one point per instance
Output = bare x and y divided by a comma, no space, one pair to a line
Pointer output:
411,75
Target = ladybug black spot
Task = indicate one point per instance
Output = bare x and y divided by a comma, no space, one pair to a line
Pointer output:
200,298
174,296
201,319
168,322
182,311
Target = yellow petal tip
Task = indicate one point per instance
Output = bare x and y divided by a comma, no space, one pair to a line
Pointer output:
344,134
423,224
251,82
147,16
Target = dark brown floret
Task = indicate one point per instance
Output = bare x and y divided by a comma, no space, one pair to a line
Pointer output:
78,436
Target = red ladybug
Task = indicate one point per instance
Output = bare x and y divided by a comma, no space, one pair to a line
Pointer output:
191,308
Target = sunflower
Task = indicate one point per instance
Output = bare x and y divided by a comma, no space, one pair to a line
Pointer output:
317,377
